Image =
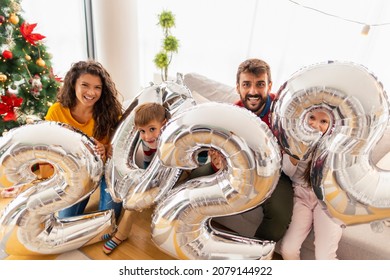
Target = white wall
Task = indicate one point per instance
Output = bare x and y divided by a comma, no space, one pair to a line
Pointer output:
213,40
215,35
116,33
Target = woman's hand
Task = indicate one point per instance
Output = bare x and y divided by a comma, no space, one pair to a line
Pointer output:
109,150
100,149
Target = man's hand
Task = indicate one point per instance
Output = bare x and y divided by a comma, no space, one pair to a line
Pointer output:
217,159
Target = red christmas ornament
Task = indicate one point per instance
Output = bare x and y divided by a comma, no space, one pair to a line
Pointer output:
27,29
7,105
7,54
2,19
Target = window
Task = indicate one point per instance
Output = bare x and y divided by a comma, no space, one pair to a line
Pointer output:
63,24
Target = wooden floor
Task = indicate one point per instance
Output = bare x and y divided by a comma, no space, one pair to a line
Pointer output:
138,246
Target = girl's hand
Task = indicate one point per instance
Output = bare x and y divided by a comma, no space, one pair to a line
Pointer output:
294,161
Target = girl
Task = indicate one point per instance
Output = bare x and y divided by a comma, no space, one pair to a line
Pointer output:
307,211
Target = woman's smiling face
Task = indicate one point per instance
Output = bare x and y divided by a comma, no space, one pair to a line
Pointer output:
88,89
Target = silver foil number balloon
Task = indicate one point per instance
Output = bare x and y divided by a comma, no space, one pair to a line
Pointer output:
127,181
28,224
352,188
181,221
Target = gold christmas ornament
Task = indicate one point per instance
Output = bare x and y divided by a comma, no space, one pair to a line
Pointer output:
40,62
14,19
27,57
3,77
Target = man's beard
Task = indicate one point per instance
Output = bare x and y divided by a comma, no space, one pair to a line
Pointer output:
246,101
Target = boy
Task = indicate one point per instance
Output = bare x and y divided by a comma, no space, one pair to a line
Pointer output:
149,118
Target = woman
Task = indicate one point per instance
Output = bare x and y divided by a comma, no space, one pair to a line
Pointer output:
88,101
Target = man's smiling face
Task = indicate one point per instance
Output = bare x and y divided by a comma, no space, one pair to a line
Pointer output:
253,90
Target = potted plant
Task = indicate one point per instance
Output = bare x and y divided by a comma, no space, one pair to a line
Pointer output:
170,44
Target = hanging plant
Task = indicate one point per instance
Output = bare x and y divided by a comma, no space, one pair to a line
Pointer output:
170,44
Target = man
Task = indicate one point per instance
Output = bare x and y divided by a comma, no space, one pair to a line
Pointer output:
254,84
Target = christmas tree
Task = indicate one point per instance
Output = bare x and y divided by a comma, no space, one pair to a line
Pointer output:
27,84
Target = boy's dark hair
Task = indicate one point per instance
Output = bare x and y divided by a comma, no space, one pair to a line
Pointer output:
148,112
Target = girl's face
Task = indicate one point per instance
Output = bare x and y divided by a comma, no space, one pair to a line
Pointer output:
319,120
150,133
88,89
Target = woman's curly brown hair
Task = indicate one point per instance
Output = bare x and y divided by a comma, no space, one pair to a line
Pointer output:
107,110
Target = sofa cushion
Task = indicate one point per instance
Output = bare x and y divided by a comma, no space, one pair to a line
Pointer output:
209,89
199,99
359,242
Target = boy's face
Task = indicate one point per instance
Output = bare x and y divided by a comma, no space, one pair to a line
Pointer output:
150,133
